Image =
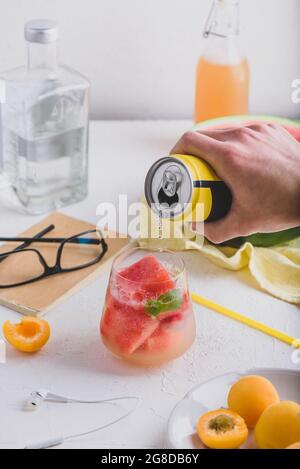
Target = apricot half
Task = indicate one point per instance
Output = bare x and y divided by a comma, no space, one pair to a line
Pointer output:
222,429
250,396
29,335
278,426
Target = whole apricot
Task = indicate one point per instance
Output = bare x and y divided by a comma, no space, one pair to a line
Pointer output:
294,446
278,426
222,429
250,396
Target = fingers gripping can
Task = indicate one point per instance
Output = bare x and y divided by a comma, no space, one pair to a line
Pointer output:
177,184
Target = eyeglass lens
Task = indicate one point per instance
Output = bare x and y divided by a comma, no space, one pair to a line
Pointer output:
19,267
81,254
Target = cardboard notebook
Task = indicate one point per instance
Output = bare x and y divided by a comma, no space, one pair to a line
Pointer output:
39,297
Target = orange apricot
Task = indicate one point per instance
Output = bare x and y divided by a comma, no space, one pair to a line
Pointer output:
278,426
29,335
294,446
222,429
250,396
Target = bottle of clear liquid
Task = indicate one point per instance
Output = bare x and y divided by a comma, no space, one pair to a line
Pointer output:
222,79
44,131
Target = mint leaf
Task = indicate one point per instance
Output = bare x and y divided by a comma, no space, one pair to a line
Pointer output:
167,302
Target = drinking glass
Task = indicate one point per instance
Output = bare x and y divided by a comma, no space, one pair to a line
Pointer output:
148,317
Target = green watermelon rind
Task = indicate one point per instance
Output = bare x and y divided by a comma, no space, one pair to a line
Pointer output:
245,118
258,239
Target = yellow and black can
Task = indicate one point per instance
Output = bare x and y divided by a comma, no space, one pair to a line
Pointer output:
176,185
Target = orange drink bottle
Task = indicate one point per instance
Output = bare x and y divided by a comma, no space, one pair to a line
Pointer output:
222,78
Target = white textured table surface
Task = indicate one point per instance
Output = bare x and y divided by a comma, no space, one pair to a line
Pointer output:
75,362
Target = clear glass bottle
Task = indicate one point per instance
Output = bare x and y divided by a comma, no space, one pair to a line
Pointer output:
44,116
222,79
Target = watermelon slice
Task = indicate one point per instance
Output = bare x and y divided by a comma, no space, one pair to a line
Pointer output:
162,339
125,323
126,327
292,126
147,277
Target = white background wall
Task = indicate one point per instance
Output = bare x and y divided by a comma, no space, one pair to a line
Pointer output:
140,55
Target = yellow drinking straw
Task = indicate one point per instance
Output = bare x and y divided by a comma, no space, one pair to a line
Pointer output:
245,320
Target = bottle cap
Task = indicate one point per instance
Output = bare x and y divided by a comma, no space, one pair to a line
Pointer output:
41,31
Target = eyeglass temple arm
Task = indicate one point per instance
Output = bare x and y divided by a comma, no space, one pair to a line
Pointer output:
28,241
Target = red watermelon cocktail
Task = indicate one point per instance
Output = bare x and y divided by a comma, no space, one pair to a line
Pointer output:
148,317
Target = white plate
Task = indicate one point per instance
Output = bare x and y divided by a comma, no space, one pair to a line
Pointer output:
212,394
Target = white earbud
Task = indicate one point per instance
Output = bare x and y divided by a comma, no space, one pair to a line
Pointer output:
36,398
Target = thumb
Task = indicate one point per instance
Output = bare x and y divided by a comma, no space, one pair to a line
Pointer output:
222,230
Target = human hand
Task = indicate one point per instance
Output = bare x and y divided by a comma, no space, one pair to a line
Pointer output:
261,166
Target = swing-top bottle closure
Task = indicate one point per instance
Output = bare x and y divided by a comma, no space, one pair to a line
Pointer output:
223,19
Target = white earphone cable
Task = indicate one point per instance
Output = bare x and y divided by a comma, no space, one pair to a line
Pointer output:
50,397
78,435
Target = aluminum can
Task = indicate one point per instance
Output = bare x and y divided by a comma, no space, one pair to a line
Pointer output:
176,185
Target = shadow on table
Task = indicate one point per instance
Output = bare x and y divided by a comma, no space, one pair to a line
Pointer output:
93,356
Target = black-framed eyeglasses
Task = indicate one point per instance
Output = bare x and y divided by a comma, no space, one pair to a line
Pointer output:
25,265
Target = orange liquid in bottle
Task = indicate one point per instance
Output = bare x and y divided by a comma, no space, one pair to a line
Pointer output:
221,89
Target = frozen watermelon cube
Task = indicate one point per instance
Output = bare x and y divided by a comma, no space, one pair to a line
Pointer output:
125,326
150,275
